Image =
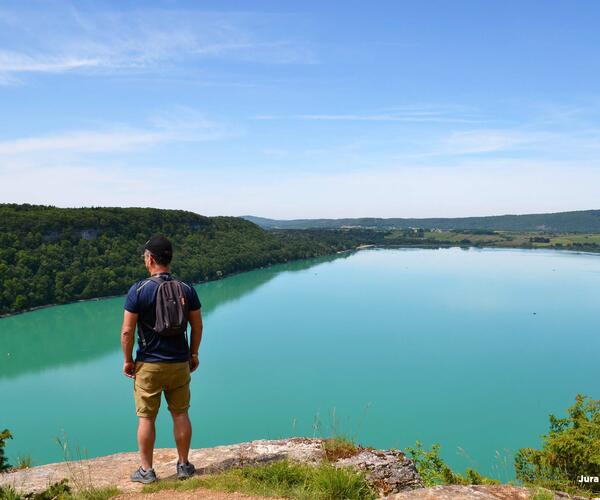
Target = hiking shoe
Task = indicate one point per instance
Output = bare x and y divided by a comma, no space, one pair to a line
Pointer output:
144,476
185,470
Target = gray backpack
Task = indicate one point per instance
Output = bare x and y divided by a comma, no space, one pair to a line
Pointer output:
171,307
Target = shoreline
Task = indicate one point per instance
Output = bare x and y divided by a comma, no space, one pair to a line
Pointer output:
105,297
359,247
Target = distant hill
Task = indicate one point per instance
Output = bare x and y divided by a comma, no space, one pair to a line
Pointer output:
51,255
584,221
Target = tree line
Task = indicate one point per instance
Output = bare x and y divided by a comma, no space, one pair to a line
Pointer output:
51,255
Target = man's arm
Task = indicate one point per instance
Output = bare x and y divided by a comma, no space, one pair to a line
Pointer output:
127,340
195,320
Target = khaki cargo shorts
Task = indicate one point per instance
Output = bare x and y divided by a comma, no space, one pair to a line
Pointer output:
152,379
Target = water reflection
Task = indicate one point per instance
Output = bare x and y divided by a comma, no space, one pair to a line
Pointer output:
75,333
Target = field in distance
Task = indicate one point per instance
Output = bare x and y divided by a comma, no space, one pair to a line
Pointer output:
505,239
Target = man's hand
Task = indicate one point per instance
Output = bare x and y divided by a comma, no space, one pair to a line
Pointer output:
195,319
127,333
194,362
129,369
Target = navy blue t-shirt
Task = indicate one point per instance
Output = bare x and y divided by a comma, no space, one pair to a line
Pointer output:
143,302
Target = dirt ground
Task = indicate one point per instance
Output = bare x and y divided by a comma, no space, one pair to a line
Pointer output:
202,493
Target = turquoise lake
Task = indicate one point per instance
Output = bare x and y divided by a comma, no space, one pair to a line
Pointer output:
470,348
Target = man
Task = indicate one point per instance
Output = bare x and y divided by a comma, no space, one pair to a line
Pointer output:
162,363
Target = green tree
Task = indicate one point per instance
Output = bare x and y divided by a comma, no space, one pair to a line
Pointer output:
52,255
571,449
4,435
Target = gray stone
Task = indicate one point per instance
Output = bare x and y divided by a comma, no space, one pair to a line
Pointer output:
388,471
474,492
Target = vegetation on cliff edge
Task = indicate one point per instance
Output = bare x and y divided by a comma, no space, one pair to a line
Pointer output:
283,478
571,449
52,255
4,435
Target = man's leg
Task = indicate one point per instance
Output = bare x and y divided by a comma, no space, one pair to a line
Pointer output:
147,390
177,395
182,431
146,434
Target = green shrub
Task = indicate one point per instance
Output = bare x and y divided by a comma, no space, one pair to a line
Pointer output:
58,491
474,477
433,470
569,450
4,435
542,494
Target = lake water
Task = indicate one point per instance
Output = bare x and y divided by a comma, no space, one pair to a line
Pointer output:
385,345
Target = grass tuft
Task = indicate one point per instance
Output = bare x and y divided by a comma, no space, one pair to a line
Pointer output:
97,493
341,482
24,462
339,447
541,494
60,491
9,493
283,478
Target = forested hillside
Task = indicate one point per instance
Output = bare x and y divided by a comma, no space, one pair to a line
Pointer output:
52,255
584,221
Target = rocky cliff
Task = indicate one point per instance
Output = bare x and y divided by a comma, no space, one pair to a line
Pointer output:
393,474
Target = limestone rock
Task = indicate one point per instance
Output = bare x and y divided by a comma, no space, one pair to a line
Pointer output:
473,492
388,470
114,470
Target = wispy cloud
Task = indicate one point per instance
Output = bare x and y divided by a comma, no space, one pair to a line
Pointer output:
413,113
182,126
70,40
489,141
82,141
519,140
438,134
387,117
13,62
276,152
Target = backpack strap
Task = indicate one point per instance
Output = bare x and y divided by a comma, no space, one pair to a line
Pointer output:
145,282
183,290
158,281
155,279
141,334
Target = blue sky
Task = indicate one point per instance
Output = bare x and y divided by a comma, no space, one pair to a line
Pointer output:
302,109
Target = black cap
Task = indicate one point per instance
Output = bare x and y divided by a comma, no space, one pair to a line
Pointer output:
159,246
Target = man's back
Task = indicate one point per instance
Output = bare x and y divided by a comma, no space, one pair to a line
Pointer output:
141,299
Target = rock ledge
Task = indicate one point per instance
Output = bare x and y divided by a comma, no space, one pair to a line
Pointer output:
389,470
